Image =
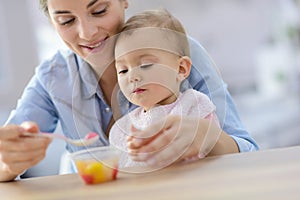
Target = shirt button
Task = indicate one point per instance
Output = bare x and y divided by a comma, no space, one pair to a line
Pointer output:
107,109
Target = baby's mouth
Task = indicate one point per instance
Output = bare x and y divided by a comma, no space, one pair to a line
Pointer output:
138,90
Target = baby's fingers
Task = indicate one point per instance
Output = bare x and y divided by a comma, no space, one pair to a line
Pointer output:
140,138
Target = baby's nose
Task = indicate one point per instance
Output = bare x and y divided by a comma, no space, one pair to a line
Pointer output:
135,76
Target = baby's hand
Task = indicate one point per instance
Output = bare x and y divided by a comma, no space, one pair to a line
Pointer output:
135,141
172,139
139,140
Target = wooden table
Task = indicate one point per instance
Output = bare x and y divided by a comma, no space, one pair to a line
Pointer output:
271,174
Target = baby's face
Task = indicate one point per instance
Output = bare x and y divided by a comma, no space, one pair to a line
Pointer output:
148,77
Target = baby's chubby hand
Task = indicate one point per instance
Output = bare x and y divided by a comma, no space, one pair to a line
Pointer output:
173,139
152,145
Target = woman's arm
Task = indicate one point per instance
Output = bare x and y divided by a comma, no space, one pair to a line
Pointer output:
18,153
177,138
35,105
205,78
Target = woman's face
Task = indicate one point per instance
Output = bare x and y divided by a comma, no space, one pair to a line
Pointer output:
86,25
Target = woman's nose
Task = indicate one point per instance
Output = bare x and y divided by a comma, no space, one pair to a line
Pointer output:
87,29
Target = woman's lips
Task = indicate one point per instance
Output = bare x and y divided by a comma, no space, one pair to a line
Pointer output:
94,47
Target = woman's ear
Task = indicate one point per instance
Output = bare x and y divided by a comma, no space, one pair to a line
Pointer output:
185,64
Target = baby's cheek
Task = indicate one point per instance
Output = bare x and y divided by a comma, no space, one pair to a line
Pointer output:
162,75
124,87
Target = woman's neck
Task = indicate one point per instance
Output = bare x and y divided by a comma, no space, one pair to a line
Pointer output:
109,75
108,82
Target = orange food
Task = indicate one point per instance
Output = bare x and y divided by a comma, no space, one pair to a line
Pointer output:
93,171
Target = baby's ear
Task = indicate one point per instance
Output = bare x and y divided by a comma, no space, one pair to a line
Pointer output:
185,64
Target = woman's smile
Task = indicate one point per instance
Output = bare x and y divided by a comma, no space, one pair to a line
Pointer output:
94,47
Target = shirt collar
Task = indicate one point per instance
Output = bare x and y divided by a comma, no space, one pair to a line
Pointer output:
88,77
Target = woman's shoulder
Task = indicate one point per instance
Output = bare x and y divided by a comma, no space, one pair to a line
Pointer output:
60,65
204,72
60,59
60,68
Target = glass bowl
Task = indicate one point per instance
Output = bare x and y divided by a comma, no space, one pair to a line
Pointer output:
97,165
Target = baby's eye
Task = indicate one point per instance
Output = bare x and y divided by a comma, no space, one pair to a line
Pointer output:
145,66
123,71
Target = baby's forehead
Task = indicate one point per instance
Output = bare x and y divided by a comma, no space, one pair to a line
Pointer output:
146,55
147,38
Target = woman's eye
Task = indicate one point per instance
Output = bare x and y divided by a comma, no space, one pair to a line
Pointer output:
145,66
67,22
123,71
100,12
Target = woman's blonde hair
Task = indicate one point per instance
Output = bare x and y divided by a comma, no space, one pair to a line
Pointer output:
44,6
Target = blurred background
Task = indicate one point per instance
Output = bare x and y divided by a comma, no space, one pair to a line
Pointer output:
255,45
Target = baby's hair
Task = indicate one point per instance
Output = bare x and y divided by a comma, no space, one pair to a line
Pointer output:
160,18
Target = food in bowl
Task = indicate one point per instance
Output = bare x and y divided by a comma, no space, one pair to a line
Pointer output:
97,165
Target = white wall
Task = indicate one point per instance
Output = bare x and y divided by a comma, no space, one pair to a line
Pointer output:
19,50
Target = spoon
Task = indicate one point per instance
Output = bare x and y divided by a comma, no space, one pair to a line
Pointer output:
89,139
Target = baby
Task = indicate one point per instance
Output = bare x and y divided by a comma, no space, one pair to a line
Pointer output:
152,61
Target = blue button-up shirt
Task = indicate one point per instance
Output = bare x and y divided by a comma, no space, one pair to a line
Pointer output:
65,89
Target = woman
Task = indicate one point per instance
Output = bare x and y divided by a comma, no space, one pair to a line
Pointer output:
78,89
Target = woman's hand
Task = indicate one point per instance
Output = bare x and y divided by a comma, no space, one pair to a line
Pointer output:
18,153
178,138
